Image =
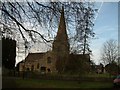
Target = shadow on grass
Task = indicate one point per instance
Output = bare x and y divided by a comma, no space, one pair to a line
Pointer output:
28,84
9,82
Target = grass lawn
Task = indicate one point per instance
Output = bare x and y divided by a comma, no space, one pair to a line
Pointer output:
35,83
105,75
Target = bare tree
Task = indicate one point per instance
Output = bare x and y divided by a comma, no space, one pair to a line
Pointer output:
109,52
43,19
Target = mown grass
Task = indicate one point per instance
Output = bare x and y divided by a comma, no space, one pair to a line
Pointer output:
104,75
37,83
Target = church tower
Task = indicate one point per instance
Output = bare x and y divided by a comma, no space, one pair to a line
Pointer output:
61,44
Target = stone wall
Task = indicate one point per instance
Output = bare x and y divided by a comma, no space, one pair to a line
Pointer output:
47,62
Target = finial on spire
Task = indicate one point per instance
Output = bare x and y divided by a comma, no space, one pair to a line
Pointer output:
62,11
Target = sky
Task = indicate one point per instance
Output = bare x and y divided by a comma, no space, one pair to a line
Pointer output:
106,27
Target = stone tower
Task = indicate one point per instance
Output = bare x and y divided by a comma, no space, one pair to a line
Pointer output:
61,45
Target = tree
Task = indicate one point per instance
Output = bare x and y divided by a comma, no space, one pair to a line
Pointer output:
109,52
8,53
78,64
112,68
79,15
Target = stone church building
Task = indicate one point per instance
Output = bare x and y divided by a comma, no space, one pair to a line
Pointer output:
55,60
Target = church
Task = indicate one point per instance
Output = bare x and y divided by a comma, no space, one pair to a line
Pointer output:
57,59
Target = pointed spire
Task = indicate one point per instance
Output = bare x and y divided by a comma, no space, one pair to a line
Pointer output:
62,33
61,40
61,44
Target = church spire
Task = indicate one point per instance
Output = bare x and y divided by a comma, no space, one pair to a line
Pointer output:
61,45
62,33
61,39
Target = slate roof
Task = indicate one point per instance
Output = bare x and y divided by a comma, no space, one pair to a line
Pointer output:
34,57
79,55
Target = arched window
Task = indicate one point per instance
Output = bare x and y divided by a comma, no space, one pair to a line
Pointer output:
32,68
48,70
38,66
49,60
23,67
28,69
